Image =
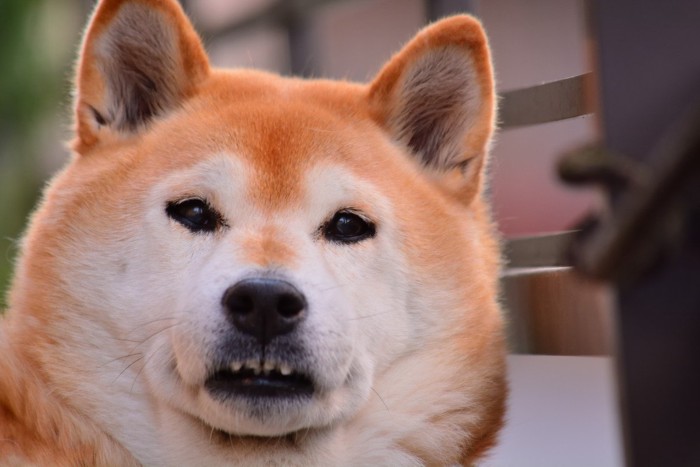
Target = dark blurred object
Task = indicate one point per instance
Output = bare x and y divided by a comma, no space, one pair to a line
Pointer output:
595,165
653,203
648,243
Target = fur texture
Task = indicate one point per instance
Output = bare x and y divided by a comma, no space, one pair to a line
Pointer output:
116,323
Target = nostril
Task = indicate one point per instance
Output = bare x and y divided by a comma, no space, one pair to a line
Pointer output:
290,305
240,303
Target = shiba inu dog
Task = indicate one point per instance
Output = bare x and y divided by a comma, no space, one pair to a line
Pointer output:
240,268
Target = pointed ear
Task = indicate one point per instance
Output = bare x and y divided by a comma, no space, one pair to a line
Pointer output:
436,96
139,60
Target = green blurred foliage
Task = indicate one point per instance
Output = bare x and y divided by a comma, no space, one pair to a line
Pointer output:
31,86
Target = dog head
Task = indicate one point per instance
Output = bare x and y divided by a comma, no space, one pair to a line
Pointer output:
255,252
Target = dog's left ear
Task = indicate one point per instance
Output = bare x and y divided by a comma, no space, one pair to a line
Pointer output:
436,96
140,59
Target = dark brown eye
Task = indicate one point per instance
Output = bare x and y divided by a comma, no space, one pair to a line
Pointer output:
195,214
348,227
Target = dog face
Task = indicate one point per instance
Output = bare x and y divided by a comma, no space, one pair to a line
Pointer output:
288,284
265,256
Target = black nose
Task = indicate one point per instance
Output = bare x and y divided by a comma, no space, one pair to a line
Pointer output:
264,308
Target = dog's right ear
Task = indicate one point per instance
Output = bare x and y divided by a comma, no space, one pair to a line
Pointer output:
139,60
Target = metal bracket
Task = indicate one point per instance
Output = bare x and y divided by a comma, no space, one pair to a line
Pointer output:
649,203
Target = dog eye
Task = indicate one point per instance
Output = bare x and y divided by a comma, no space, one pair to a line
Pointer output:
195,214
348,227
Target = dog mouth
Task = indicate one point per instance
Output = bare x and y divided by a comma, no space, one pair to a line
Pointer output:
259,379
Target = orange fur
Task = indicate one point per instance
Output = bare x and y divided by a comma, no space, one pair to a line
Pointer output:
280,129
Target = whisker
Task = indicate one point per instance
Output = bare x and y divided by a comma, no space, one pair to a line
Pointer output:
153,354
380,398
146,323
333,287
119,358
155,334
124,340
367,316
126,368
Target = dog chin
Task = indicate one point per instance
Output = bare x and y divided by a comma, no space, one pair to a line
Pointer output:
274,417
268,419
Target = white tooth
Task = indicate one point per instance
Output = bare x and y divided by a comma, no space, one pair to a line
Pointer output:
285,370
268,366
236,366
253,365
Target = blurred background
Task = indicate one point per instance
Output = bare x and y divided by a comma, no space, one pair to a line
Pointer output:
533,42
37,40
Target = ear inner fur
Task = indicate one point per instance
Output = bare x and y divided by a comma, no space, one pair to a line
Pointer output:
138,58
438,95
